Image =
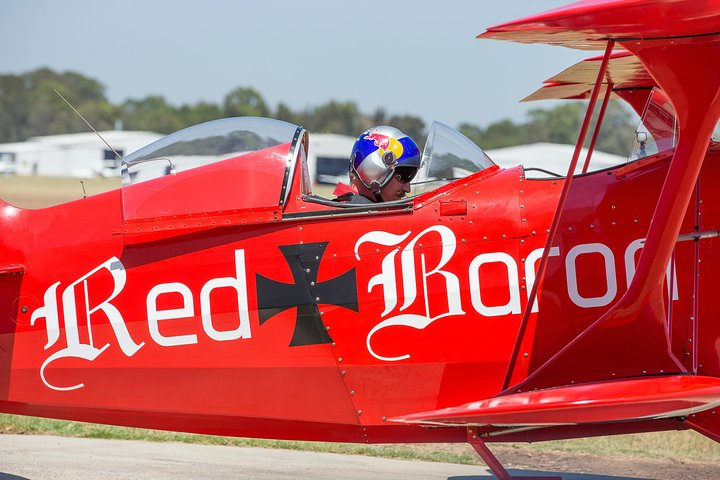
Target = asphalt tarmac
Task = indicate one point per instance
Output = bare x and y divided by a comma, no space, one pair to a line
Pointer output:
40,457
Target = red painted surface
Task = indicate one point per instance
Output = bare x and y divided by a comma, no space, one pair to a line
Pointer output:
211,301
587,24
611,401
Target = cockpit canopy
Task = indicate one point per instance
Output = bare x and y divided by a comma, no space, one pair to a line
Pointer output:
227,164
234,164
448,155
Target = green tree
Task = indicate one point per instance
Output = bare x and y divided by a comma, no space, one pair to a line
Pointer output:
14,100
245,102
30,106
336,117
199,113
500,134
82,88
151,113
473,132
504,134
284,113
48,114
379,117
617,133
557,125
560,124
410,125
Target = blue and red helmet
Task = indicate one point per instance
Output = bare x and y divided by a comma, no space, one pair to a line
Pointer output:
378,152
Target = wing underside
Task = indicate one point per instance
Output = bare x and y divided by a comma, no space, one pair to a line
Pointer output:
613,401
624,72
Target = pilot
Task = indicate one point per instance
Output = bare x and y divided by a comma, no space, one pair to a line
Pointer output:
383,162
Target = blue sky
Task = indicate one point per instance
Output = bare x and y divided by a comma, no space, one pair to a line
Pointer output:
408,57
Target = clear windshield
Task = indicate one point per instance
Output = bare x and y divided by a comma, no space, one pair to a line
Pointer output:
657,131
232,163
204,144
448,155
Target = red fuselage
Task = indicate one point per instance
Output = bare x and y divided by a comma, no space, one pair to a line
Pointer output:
317,322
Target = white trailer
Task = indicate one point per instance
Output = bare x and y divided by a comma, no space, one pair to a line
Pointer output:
329,158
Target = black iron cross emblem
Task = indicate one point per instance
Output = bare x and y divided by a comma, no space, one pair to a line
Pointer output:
305,293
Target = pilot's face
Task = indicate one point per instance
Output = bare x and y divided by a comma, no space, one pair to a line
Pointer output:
396,189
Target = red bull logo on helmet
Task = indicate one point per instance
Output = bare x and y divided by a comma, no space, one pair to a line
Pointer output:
390,148
380,140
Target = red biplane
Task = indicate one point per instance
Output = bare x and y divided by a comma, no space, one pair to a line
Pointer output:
215,293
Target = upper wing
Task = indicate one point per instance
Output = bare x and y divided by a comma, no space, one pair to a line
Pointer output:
588,24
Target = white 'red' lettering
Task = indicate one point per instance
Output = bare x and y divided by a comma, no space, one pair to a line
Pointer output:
81,289
239,284
154,315
75,347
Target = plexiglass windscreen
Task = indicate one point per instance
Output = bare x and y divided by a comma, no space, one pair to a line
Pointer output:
657,131
227,164
448,155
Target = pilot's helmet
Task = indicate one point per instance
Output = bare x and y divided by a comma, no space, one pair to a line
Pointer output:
379,151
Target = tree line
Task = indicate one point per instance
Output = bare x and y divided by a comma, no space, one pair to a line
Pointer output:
30,107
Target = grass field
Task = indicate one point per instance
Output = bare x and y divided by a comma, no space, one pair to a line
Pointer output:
37,192
679,446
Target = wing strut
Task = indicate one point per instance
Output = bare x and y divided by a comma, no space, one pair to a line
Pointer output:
638,318
491,460
558,212
598,124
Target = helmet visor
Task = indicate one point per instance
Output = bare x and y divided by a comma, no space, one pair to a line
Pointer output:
405,174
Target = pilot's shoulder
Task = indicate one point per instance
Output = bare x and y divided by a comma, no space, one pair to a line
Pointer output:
353,199
346,194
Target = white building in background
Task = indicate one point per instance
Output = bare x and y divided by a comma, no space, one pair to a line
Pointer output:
81,155
329,157
552,157
84,155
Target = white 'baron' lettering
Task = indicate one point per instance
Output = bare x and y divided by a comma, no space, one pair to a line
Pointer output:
387,279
